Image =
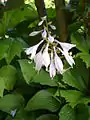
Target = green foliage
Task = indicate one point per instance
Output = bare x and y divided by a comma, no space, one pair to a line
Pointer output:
26,94
36,102
11,102
84,46
67,113
30,75
7,78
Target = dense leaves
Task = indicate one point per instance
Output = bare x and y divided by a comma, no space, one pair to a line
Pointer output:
26,94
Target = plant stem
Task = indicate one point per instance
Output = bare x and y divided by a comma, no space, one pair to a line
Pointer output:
61,20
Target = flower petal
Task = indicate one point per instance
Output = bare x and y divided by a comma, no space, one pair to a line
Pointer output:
65,46
38,59
44,34
44,18
46,57
34,33
50,38
52,69
32,50
58,63
69,58
53,27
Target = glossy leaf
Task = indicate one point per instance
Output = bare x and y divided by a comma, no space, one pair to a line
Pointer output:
67,113
11,102
31,75
43,100
8,77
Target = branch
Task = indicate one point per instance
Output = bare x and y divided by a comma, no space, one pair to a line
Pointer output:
40,5
61,20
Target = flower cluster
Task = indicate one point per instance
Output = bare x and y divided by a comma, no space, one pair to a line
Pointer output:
50,52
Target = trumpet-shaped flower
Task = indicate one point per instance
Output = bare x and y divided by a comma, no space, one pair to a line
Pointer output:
46,57
58,63
52,69
65,46
38,59
32,50
68,57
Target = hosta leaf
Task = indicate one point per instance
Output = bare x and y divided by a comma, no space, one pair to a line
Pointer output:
27,69
74,97
43,100
47,117
11,102
2,87
77,76
31,75
15,48
85,57
8,77
67,113
74,27
24,115
81,112
4,45
80,42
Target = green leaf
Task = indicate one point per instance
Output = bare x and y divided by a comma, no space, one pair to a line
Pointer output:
4,45
77,76
31,75
74,97
74,27
24,115
81,112
80,42
67,113
85,57
15,48
7,77
11,102
47,117
43,100
27,69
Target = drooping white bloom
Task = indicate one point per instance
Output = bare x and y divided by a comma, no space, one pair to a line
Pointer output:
38,59
32,50
58,63
52,69
65,46
69,58
44,34
46,57
50,38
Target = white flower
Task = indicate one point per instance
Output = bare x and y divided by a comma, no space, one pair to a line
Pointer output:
58,63
65,46
44,34
32,50
43,19
38,59
34,33
52,69
53,27
68,57
50,38
46,57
